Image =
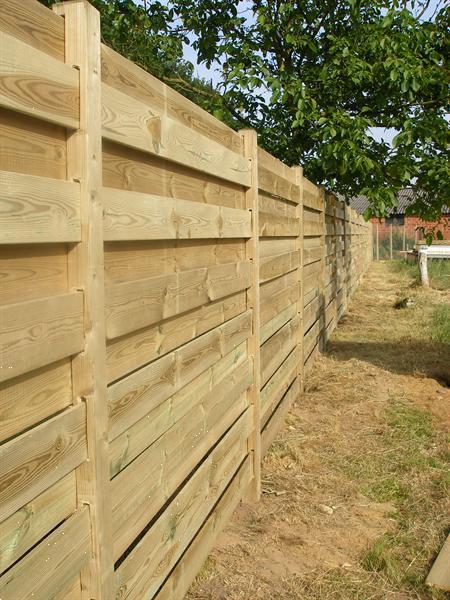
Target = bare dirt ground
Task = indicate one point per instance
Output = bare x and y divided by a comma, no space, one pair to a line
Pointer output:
355,498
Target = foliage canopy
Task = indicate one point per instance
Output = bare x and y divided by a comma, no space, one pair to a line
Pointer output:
313,78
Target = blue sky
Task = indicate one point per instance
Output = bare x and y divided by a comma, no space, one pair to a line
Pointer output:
213,74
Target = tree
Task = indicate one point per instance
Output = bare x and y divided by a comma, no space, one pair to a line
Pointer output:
313,78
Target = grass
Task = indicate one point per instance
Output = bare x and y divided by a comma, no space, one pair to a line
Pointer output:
438,272
440,324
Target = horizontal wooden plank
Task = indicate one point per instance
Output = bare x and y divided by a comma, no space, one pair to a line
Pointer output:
136,216
35,460
38,209
145,569
278,294
275,423
127,446
277,348
269,328
136,395
131,122
275,165
275,246
120,73
311,338
311,313
180,579
38,332
274,266
52,565
35,25
137,304
33,397
278,384
271,225
28,525
128,353
137,494
272,183
276,206
37,84
312,197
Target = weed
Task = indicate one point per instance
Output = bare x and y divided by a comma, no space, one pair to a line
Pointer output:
440,324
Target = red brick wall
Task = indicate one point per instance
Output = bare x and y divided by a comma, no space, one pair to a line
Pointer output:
411,223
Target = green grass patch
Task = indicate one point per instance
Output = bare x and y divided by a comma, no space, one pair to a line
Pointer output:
440,324
438,272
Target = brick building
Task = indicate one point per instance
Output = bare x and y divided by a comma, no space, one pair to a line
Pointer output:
405,229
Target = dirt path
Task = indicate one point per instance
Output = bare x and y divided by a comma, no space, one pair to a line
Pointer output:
355,488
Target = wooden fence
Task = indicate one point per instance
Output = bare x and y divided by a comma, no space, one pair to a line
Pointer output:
156,313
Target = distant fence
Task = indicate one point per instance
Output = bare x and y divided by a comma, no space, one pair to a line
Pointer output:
163,283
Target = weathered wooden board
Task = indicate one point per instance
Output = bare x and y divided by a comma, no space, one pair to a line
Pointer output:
137,171
122,74
135,216
34,83
31,146
271,225
278,384
33,24
142,488
35,460
148,564
137,304
29,524
275,423
38,209
130,352
132,123
127,446
51,565
136,395
177,584
38,332
274,266
33,397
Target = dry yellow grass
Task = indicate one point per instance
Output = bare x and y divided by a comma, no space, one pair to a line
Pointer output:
355,488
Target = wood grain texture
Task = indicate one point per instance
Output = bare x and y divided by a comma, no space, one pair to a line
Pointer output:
52,565
129,169
278,384
128,261
274,266
31,146
38,332
35,460
32,397
29,524
133,305
36,84
140,490
26,274
132,123
275,423
275,350
122,74
278,294
269,162
180,579
143,571
136,395
129,352
127,446
276,206
135,216
272,183
272,225
38,210
272,326
34,25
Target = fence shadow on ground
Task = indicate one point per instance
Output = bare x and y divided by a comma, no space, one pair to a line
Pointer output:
408,357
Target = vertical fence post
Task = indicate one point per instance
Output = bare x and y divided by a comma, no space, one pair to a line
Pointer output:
378,242
299,247
86,273
252,251
391,254
323,240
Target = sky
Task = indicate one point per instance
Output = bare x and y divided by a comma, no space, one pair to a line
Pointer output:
213,74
